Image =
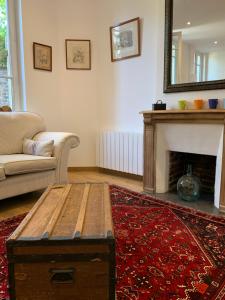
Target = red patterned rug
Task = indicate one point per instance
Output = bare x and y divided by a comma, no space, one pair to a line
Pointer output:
164,251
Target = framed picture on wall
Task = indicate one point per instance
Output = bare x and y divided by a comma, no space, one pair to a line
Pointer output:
125,40
78,54
42,57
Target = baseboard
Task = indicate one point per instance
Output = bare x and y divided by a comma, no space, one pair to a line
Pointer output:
107,171
121,174
96,169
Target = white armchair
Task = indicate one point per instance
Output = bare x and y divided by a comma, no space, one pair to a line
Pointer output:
21,173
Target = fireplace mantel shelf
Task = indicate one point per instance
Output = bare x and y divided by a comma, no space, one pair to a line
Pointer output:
202,116
185,111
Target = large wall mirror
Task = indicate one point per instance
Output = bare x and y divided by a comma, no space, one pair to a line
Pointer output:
194,45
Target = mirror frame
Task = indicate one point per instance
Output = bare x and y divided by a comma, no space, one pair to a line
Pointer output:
180,87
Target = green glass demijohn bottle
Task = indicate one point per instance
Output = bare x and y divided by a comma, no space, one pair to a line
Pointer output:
188,186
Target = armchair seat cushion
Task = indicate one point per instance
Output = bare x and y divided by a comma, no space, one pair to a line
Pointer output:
23,163
2,174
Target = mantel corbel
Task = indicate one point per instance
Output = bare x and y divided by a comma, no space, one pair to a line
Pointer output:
148,120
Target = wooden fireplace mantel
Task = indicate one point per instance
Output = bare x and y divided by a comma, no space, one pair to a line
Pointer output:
152,118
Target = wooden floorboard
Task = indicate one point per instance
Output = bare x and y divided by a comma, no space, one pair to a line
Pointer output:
21,204
18,205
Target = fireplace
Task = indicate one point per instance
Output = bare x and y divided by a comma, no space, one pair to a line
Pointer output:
203,167
197,132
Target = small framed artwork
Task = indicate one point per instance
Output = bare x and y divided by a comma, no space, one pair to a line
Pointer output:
78,54
125,40
42,57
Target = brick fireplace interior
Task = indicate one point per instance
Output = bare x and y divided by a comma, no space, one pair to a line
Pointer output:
203,166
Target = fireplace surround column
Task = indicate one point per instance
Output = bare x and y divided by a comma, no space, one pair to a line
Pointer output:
149,155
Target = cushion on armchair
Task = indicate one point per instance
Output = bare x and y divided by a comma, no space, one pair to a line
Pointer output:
42,148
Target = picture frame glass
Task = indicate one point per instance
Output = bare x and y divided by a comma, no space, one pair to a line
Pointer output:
78,54
42,57
125,40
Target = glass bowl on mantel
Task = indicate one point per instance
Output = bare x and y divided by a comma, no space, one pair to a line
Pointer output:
188,186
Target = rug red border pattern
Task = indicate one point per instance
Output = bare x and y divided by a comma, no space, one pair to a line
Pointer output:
6,228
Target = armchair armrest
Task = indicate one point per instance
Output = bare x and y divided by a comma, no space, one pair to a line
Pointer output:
63,142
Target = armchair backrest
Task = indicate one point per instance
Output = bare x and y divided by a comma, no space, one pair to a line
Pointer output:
15,127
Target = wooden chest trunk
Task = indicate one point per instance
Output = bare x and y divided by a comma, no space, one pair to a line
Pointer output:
64,248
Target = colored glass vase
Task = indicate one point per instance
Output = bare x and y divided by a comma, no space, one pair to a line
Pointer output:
188,186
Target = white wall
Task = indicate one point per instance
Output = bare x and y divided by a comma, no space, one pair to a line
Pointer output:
111,95
42,88
126,87
67,99
78,88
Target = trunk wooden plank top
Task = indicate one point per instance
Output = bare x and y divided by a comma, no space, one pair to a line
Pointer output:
65,248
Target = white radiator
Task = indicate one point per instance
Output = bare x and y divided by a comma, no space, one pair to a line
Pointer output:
121,151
